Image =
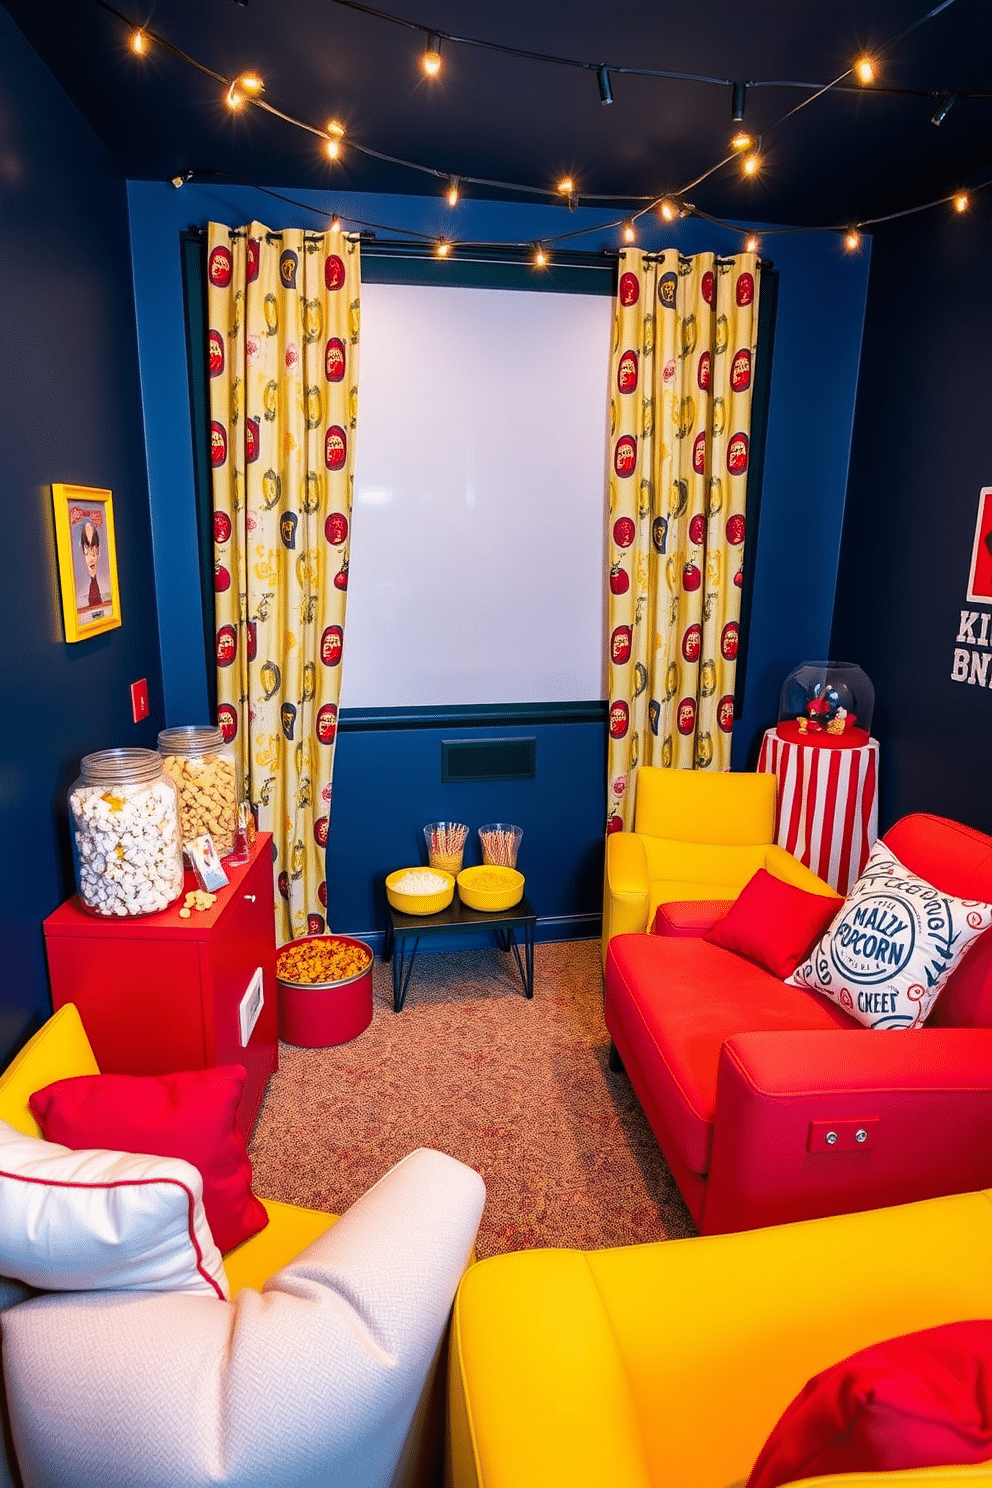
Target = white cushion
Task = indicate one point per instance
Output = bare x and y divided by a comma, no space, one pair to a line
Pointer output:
321,1378
94,1220
892,945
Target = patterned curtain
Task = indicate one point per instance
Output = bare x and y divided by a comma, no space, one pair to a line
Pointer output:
283,311
680,417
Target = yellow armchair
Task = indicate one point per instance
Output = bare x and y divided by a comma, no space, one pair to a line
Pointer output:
668,1364
696,836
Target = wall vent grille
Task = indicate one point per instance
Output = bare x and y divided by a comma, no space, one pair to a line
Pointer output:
488,759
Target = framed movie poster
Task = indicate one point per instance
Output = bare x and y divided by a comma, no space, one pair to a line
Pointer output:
84,529
980,573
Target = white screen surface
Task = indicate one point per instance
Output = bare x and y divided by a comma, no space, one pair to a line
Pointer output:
478,545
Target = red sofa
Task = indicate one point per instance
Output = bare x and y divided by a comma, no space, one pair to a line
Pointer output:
742,1076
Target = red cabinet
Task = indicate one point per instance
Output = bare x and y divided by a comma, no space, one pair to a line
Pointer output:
159,993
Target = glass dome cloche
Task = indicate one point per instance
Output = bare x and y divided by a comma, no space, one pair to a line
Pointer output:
829,703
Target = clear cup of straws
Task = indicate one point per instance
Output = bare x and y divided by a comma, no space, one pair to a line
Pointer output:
500,844
445,845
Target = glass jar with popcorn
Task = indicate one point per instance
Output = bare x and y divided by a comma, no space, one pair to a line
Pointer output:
205,770
126,848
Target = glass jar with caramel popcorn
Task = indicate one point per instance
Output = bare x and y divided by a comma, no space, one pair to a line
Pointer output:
205,770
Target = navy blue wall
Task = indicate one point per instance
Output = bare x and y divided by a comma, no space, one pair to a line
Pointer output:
387,787
811,410
70,411
921,455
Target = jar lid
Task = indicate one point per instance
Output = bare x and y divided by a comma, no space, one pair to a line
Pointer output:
191,738
108,766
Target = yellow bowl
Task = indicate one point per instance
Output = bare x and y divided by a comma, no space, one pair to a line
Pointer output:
420,904
490,887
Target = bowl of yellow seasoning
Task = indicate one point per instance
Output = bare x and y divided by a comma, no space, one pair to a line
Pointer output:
490,887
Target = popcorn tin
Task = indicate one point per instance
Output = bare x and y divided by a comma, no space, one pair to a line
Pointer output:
126,847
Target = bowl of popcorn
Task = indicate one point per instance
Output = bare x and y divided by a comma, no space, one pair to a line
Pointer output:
322,961
325,990
490,887
420,891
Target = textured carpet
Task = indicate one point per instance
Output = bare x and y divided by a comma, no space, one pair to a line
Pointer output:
518,1089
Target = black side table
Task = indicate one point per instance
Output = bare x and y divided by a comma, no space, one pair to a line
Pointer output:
505,924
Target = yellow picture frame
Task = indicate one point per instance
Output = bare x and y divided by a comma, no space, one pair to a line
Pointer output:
87,550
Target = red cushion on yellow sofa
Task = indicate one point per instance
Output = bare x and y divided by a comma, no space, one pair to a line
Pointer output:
922,1400
774,923
676,1001
189,1115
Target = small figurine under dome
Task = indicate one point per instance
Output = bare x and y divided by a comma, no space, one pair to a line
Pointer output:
828,703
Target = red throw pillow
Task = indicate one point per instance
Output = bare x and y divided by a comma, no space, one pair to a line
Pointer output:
774,923
922,1400
189,1115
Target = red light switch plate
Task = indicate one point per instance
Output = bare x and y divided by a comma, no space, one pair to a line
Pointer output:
139,699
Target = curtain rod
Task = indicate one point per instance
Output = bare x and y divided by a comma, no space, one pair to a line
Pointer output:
495,253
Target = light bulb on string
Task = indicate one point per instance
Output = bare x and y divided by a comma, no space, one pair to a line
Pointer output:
852,240
431,59
453,192
740,139
864,70
944,106
540,257
668,210
443,248
566,186
751,164
334,225
605,89
629,233
751,245
961,201
249,84
138,43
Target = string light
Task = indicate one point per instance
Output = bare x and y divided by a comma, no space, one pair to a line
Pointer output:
852,240
431,59
443,248
249,83
752,244
751,164
740,139
335,224
864,69
605,89
335,132
629,234
453,192
540,257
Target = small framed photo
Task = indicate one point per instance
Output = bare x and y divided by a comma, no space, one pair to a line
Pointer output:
980,573
87,549
207,867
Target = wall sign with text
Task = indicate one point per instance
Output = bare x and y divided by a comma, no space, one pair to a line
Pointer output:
973,652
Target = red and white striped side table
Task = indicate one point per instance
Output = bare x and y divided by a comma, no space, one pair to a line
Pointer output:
827,813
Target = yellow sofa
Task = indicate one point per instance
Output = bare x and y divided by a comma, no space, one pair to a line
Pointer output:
667,1365
696,836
